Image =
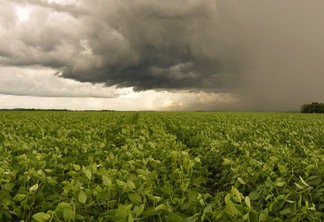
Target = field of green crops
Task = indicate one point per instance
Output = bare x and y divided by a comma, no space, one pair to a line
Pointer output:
155,166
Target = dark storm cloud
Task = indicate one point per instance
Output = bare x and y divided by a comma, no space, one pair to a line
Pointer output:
141,44
153,45
159,45
269,52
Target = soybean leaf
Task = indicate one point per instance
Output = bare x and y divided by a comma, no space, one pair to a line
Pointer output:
82,197
41,217
34,187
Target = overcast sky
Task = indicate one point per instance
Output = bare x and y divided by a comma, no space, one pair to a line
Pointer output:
161,54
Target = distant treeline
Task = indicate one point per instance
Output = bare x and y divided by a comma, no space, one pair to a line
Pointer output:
55,110
315,107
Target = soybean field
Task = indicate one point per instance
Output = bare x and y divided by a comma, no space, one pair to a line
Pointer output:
161,166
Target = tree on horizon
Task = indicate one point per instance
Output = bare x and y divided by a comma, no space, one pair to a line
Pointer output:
315,107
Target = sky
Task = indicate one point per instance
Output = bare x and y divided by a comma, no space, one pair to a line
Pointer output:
249,55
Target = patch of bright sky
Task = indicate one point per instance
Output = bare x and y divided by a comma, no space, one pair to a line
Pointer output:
37,87
63,2
23,13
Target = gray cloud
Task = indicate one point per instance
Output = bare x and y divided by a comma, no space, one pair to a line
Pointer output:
269,52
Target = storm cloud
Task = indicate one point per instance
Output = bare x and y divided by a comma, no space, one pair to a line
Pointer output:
268,53
154,45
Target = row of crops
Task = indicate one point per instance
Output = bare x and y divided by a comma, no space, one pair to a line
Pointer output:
159,166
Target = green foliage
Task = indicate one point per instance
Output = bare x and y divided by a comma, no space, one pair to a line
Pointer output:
124,166
312,108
